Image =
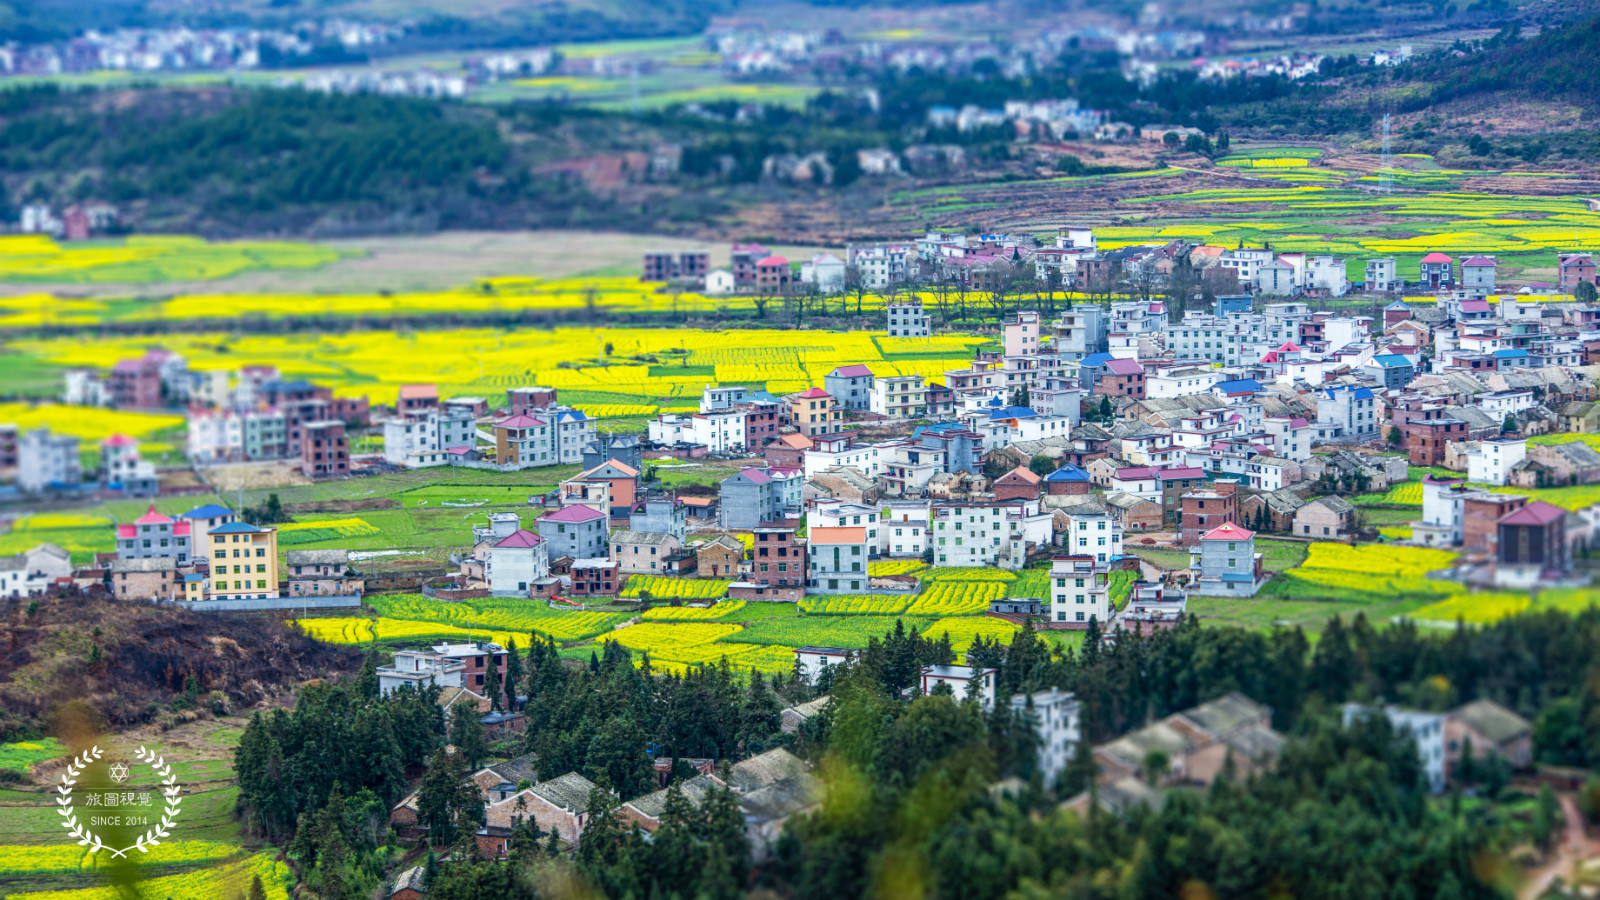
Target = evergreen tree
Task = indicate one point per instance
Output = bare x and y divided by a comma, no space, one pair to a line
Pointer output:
467,733
514,676
491,684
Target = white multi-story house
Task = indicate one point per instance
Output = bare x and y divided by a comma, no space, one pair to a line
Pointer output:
1291,437
975,534
1080,590
1347,413
46,461
1500,404
720,430
828,454
1057,718
908,320
1248,262
419,668
1491,463
1177,382
1327,273
880,265
906,467
1097,536
1425,729
421,441
1383,275
899,397
515,563
1080,331
904,528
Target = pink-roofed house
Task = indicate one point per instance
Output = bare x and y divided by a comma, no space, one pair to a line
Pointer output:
524,440
1122,378
814,412
774,277
576,531
1478,274
1573,268
516,563
851,386
156,536
1225,563
1438,272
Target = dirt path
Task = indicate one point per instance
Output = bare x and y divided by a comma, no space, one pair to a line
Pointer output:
1575,847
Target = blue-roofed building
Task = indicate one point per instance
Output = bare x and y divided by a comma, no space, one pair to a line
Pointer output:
202,520
1069,479
1237,390
1227,304
1512,359
1347,413
244,562
1012,412
1091,368
1391,370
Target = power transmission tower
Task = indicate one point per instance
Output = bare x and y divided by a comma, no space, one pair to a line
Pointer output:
1385,182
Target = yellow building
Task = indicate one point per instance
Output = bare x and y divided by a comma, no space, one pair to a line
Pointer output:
194,587
244,562
813,412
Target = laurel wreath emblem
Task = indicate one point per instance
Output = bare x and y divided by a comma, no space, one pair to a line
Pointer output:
86,837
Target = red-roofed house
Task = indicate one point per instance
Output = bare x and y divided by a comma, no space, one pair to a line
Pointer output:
1018,484
1122,378
1532,545
1225,563
788,451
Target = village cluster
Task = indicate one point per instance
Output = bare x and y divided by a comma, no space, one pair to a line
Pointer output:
1071,436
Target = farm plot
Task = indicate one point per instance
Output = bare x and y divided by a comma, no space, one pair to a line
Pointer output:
662,587
1367,572
853,605
230,880
336,630
964,573
963,630
91,423
24,755
957,598
324,530
81,535
879,568
33,859
827,631
1484,607
672,641
507,614
692,613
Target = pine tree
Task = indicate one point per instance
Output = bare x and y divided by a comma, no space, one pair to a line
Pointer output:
491,683
467,733
514,675
367,678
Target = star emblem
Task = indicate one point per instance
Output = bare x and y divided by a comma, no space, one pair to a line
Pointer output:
119,772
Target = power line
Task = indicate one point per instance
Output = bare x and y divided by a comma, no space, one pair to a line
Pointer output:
1385,181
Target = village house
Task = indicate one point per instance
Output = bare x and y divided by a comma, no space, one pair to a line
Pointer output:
720,557
321,573
560,805
1331,518
643,552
